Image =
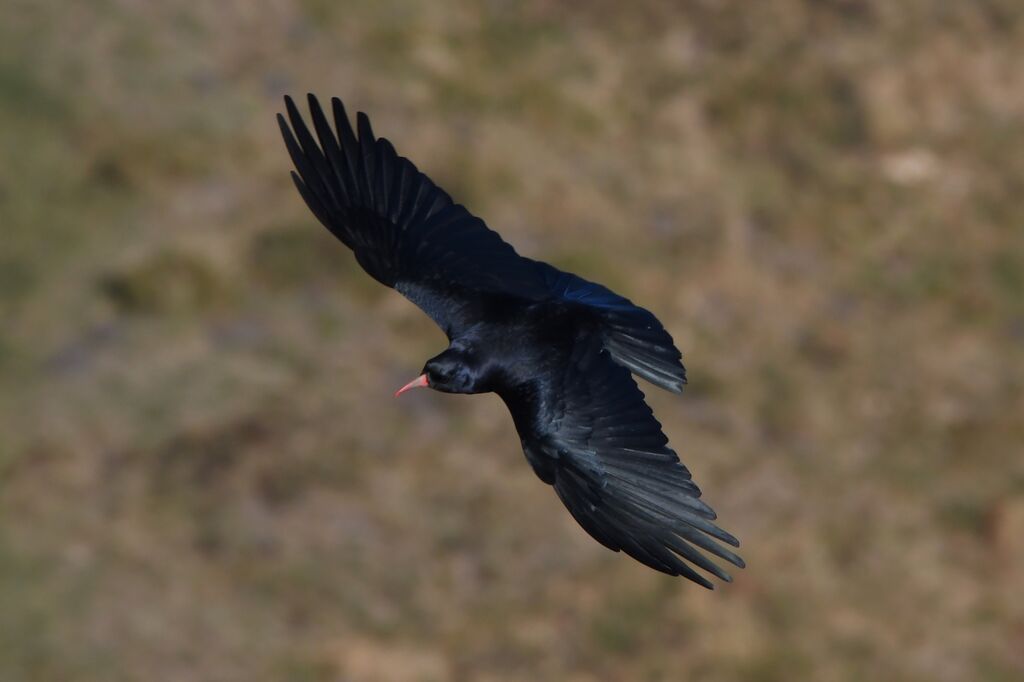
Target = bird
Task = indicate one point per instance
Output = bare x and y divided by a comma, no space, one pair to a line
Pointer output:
559,350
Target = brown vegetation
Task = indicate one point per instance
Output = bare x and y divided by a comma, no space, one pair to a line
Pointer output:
203,475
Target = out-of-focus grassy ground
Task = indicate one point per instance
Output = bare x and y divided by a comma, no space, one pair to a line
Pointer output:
203,475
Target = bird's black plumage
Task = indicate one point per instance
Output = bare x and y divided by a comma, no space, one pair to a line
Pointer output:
557,349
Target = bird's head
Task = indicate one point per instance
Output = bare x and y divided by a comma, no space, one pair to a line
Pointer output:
453,371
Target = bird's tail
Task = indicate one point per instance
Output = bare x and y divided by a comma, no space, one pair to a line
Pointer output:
633,335
638,342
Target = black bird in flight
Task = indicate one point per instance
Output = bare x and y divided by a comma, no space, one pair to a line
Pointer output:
557,349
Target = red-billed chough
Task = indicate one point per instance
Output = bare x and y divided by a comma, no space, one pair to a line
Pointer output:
559,350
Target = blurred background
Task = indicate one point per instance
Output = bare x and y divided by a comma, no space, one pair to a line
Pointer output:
203,475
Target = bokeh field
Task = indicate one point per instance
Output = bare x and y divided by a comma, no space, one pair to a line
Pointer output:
203,475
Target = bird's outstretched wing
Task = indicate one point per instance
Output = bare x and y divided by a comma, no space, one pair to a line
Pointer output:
590,434
405,231
408,234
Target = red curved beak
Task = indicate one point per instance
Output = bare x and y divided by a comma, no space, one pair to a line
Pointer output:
418,382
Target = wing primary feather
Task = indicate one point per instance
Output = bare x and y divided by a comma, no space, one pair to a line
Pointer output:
329,143
349,147
321,171
705,543
366,156
310,195
696,558
314,205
